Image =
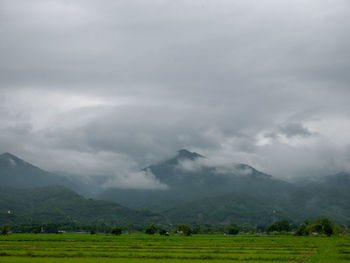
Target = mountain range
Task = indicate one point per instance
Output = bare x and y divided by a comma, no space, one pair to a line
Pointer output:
197,193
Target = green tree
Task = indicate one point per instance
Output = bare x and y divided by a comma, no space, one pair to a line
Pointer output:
151,230
4,230
52,228
196,229
318,228
327,226
233,229
322,226
185,230
116,231
305,228
163,232
279,226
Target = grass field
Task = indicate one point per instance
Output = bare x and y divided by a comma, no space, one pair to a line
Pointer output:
148,249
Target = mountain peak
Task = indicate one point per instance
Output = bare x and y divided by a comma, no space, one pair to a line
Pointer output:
185,154
9,160
7,155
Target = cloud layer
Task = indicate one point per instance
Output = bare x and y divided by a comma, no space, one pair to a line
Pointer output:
108,87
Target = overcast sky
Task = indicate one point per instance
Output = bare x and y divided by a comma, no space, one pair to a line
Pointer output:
108,87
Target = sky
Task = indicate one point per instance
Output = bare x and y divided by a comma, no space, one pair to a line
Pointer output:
109,87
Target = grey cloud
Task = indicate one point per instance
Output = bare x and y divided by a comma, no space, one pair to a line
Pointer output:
131,82
20,129
294,129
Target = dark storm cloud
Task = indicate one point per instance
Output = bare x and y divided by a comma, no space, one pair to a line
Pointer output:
83,83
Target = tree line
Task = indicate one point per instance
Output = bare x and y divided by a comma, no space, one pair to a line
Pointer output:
324,227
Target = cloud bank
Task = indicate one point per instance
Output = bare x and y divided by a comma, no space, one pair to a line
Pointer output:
99,87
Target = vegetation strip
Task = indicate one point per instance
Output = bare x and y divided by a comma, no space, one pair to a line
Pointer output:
155,248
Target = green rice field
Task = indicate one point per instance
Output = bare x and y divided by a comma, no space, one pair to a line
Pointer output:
156,249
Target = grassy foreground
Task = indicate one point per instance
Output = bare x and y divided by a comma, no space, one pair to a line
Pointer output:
156,249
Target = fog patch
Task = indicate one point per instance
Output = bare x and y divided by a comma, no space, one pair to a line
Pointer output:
105,169
135,180
12,162
191,165
219,166
244,169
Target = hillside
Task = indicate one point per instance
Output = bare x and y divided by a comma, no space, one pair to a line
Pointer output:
197,193
240,208
59,204
329,197
17,173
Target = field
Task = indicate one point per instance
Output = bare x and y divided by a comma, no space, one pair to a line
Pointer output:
73,248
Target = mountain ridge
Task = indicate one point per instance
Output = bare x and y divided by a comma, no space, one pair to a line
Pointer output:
204,194
18,173
57,204
187,185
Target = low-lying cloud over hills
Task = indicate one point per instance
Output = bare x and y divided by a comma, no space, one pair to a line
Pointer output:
206,194
97,87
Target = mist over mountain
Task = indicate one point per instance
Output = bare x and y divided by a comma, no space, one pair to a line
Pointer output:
238,80
196,192
190,178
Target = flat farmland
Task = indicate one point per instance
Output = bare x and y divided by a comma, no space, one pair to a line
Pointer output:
144,248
